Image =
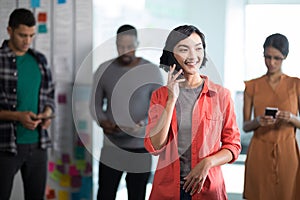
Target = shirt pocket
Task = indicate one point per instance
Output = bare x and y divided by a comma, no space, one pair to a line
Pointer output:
213,122
211,133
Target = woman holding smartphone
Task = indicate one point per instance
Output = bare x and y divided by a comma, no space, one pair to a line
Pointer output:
273,157
192,124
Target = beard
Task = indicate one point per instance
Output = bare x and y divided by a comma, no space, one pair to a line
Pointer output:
125,59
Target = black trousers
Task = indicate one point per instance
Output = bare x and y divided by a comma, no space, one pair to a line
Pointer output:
109,176
109,180
32,162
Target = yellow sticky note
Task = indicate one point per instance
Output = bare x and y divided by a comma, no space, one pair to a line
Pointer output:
65,180
63,195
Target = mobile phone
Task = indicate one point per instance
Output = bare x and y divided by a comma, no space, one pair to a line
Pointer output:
44,118
270,111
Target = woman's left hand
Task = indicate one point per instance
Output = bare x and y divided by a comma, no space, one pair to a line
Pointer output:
195,179
284,117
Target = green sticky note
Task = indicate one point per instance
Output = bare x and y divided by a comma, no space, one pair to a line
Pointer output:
56,175
42,28
80,164
79,153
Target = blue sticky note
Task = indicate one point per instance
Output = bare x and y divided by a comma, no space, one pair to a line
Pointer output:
86,187
76,196
61,1
35,3
82,125
42,28
79,153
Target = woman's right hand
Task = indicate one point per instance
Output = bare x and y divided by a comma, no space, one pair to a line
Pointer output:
173,83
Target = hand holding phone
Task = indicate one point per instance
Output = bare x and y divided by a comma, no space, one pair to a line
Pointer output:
270,111
45,118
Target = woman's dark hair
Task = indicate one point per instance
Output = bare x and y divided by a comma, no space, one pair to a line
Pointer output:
279,42
176,35
21,16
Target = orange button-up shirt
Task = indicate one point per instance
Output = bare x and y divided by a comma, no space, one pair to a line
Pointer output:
214,128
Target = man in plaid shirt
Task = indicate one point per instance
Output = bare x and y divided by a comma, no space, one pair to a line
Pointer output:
26,107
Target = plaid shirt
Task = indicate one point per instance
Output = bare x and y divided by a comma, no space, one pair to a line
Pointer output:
8,96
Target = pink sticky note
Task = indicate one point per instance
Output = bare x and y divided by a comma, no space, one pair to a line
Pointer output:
62,98
73,170
51,166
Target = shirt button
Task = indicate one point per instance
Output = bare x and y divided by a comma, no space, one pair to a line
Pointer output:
14,60
14,106
15,73
14,90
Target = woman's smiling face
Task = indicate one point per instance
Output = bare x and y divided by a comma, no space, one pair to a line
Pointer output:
189,53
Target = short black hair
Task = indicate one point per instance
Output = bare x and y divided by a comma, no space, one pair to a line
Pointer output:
21,16
127,29
279,42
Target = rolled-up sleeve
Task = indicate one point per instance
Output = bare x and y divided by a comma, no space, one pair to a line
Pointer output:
155,111
230,136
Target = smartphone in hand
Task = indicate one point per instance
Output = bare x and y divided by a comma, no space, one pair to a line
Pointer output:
44,118
270,111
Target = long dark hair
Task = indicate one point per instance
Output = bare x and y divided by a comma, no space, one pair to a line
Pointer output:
176,35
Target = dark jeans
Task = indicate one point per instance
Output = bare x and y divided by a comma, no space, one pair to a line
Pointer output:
32,162
109,178
185,195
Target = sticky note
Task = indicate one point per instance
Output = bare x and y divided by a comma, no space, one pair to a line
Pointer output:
63,195
42,28
61,168
51,166
56,175
65,180
59,162
88,168
61,1
79,153
76,181
76,196
80,164
35,3
86,188
73,170
82,125
62,98
65,158
42,17
51,194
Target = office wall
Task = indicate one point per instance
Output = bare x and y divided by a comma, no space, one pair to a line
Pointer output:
64,35
273,2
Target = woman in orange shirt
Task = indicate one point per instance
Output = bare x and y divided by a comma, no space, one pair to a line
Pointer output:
273,156
192,125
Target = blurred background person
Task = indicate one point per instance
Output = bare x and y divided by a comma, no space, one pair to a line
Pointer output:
273,157
123,138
